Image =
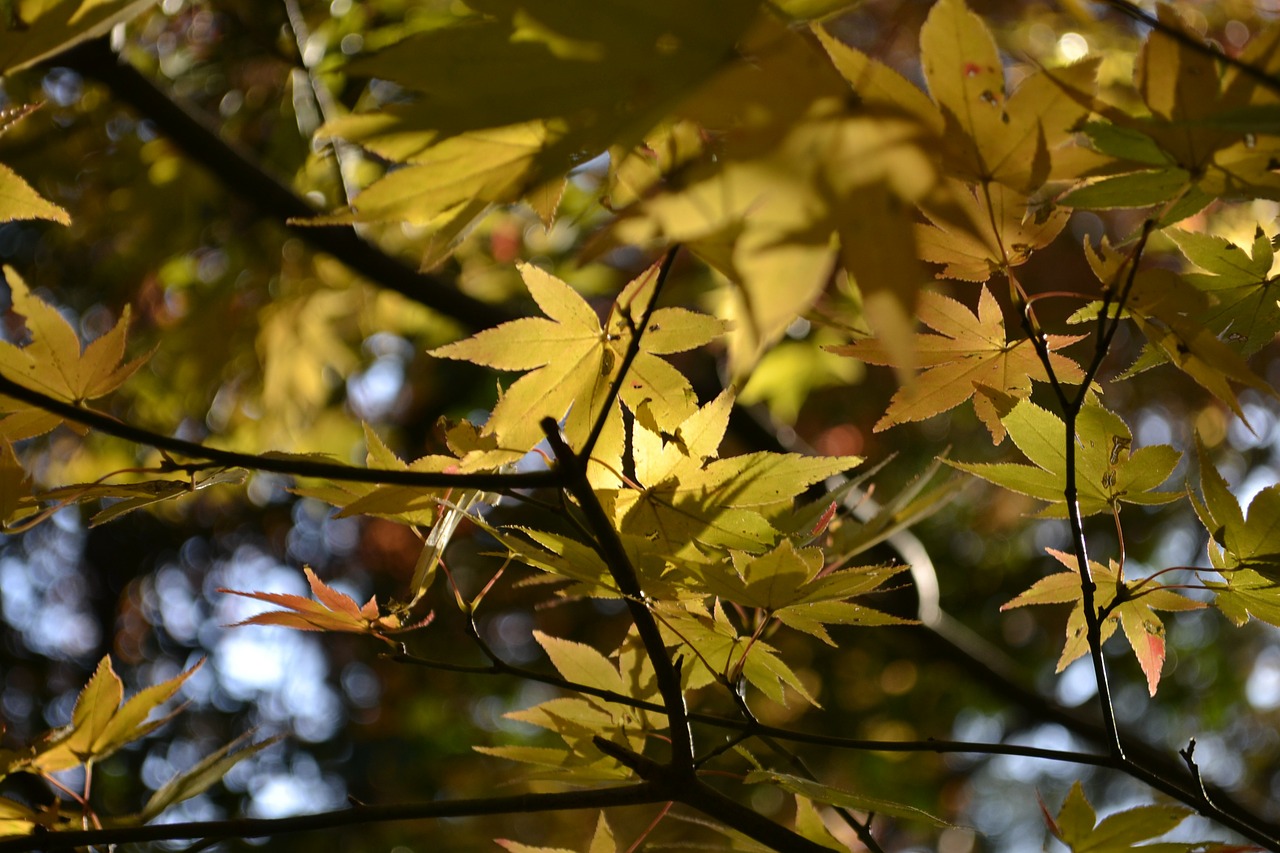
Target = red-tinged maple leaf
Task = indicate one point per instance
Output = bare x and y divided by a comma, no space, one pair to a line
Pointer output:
331,611
970,357
1131,606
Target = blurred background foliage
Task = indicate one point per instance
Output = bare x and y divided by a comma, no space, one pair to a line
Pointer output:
263,343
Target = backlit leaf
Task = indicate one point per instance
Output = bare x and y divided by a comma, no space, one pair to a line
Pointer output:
54,364
1077,827
1130,605
572,360
330,611
100,724
1108,473
968,358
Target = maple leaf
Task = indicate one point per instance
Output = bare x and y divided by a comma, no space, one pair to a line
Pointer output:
52,26
840,797
20,819
1130,606
1078,827
970,358
53,363
979,232
1171,312
984,135
124,498
1108,473
18,200
788,584
786,175
1210,133
1244,312
716,652
202,775
553,80
413,506
989,136
1245,550
579,720
100,724
602,841
330,611
572,360
689,498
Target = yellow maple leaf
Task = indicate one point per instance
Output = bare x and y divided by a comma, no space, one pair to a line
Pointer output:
969,357
54,364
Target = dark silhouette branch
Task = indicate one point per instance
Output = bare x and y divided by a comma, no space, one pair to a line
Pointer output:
611,550
298,466
626,795
751,728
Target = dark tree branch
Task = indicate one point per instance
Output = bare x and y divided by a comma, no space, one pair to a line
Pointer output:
625,795
750,728
240,173
611,550
298,466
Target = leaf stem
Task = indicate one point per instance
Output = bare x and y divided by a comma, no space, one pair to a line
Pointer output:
633,350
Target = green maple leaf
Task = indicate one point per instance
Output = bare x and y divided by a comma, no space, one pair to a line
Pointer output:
1210,133
578,720
202,775
1245,550
1129,606
969,358
689,498
54,364
1108,473
1171,313
1078,827
788,584
572,360
1245,312
716,652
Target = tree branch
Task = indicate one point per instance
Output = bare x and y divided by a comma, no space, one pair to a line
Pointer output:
298,466
624,575
626,795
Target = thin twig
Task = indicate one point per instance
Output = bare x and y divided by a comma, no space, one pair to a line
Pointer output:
1187,40
633,350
